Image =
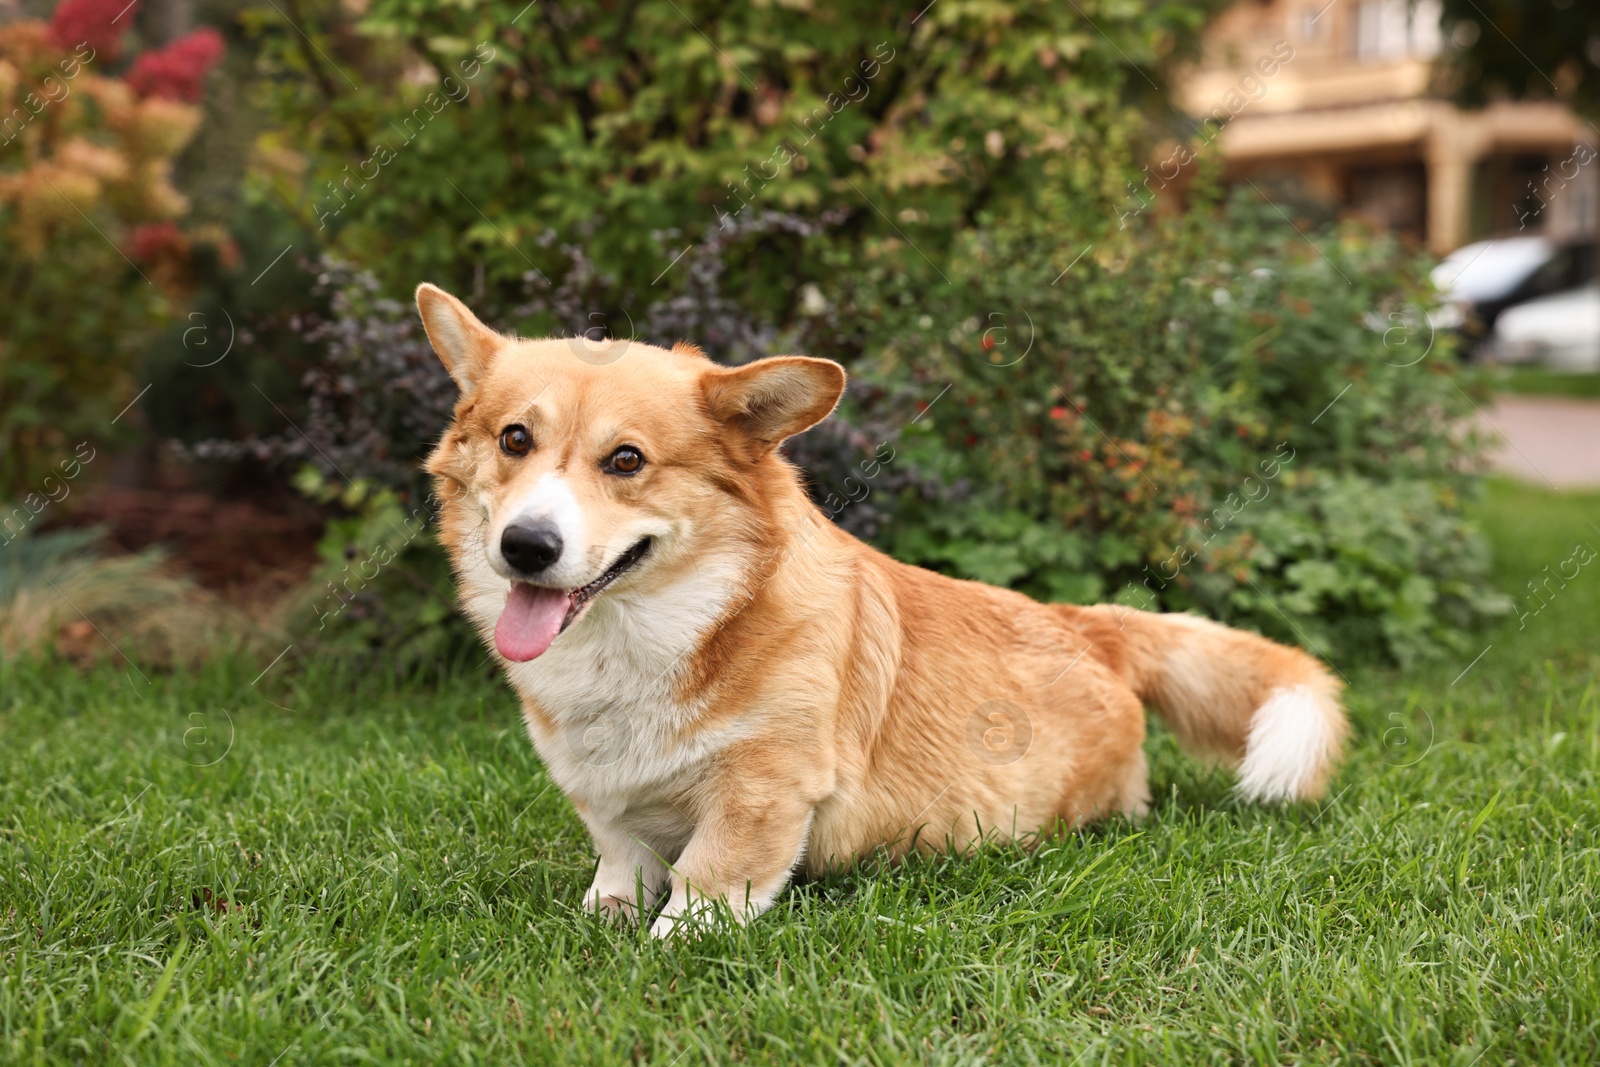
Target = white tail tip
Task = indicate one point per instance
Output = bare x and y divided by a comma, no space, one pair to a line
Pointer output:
1294,738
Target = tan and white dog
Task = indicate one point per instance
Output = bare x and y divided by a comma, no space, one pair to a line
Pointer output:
729,687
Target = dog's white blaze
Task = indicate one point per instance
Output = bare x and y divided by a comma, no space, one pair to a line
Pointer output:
1292,738
550,500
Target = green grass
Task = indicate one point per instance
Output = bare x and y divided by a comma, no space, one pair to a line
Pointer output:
1536,381
371,873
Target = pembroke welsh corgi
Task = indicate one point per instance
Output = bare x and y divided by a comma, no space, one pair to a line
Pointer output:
729,687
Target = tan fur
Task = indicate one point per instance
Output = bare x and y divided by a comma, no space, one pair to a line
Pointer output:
779,694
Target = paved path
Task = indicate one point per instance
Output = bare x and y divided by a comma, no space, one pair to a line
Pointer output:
1547,440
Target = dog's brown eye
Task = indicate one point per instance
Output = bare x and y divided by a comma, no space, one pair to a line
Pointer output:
516,441
625,460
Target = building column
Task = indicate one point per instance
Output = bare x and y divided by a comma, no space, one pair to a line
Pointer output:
1450,158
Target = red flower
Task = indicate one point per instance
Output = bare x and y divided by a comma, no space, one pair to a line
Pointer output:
97,23
1086,455
988,342
157,240
1058,413
178,71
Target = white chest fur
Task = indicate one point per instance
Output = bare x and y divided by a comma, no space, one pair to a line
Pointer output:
618,739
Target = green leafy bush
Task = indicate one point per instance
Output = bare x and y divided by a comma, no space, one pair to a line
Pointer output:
383,592
1358,566
619,124
1206,412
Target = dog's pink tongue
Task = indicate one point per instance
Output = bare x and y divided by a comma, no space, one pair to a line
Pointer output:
530,621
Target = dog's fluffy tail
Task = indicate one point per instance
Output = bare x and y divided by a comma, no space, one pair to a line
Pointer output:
1271,711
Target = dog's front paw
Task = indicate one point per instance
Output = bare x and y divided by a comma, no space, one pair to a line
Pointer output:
610,905
682,927
679,919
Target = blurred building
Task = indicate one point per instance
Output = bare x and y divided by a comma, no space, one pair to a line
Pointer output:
1353,117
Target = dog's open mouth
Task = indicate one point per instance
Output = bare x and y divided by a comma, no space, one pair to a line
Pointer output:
534,615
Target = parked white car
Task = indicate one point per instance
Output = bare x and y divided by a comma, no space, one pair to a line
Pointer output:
1490,270
1560,331
1487,279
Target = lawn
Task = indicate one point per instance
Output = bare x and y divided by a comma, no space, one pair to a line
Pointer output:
356,870
1537,381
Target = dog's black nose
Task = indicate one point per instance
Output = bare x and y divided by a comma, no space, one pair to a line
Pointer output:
530,549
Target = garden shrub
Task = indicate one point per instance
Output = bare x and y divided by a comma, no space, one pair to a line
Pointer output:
1207,412
375,395
1179,433
383,593
623,125
376,399
86,201
231,365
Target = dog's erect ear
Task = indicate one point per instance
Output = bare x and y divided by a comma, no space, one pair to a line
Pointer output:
773,399
464,344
